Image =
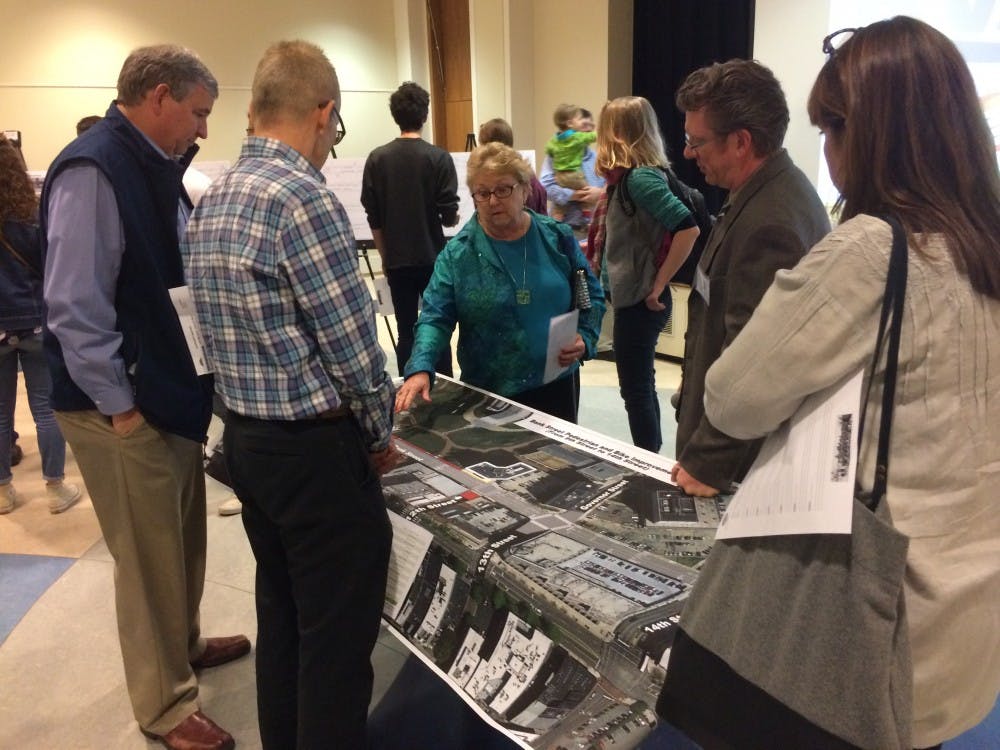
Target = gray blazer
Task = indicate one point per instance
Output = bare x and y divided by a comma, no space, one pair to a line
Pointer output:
770,223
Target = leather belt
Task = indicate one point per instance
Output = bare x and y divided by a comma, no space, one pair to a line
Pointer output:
337,413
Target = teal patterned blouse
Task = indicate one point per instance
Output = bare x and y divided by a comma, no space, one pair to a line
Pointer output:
475,284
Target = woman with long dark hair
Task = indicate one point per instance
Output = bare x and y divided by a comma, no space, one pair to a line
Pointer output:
21,334
906,140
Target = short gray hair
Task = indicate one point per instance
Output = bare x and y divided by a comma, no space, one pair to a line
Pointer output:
147,67
291,79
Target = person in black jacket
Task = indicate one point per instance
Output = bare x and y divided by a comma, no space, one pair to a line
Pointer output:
410,191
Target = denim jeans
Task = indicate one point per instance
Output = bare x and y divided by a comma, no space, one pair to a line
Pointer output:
636,330
38,384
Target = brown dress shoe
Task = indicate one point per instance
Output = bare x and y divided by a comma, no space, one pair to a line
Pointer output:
196,732
221,650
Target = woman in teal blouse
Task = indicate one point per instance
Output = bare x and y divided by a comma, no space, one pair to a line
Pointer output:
501,279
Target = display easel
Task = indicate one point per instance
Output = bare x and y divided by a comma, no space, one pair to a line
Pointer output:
363,247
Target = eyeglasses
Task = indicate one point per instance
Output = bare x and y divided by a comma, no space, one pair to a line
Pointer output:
694,145
500,191
341,127
828,48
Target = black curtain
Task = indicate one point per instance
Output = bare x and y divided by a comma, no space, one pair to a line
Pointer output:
671,38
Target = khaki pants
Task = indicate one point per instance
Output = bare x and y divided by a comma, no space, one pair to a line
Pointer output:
148,490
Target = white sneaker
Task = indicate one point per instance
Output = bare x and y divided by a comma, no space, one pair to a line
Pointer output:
62,496
7,495
230,507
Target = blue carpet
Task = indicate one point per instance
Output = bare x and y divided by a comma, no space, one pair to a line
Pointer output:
24,578
986,736
419,710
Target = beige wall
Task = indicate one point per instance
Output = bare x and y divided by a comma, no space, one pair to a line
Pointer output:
795,59
488,28
571,59
521,72
61,62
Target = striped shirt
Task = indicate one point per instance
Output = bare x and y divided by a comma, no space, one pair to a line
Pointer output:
289,326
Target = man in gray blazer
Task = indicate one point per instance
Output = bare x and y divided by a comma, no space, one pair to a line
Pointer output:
735,122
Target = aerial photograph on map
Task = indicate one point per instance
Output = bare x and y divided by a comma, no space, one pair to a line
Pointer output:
559,564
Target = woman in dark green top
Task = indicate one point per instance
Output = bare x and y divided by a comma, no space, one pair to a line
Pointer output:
648,235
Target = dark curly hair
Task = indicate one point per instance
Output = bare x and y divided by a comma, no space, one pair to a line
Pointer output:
17,195
408,105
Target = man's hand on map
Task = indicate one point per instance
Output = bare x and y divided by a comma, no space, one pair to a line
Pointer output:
385,460
417,383
689,484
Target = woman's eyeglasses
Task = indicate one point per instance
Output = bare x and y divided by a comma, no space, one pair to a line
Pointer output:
828,46
500,191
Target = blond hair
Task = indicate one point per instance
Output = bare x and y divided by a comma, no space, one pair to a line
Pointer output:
500,159
628,135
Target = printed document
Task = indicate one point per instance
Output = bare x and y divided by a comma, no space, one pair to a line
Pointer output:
410,543
562,332
803,480
183,303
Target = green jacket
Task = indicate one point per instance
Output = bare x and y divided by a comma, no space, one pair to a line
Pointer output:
567,149
471,288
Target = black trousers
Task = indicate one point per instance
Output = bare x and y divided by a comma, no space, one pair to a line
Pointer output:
406,286
315,517
560,398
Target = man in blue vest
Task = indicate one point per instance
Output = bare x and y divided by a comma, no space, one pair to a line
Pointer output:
126,391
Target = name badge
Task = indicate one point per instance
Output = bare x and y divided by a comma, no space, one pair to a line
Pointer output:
184,305
701,284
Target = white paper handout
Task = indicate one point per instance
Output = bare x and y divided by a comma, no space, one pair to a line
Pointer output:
180,296
383,297
409,547
562,332
803,479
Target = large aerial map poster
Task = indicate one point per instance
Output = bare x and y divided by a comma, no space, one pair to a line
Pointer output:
539,567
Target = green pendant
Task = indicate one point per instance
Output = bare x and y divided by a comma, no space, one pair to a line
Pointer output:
523,296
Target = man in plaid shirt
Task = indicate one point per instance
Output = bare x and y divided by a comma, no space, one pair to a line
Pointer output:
289,327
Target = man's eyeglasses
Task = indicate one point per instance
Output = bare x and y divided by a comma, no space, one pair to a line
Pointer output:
828,46
695,143
500,191
341,127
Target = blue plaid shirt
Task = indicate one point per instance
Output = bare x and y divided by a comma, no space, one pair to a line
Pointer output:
289,326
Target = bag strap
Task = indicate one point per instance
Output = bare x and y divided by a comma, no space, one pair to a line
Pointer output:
578,291
892,303
625,196
19,258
